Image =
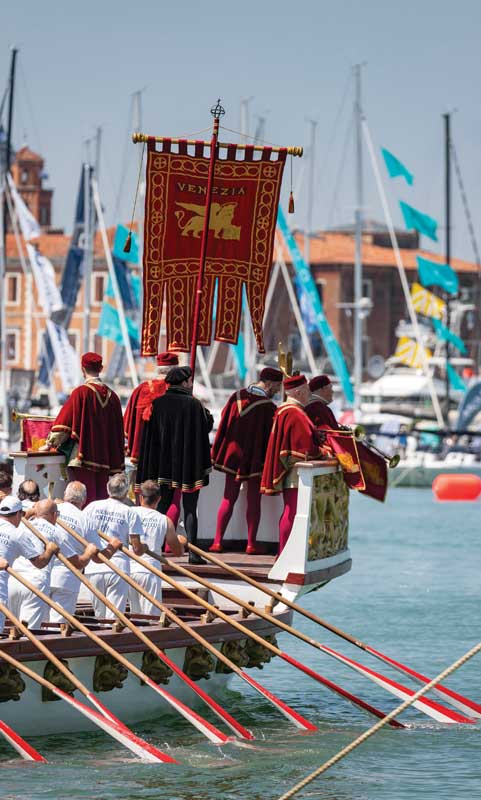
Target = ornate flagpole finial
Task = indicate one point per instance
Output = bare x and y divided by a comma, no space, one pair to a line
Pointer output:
217,111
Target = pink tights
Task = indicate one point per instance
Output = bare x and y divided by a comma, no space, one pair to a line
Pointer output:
253,515
287,518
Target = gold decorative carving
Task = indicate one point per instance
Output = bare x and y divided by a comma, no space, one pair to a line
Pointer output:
52,673
235,651
155,668
258,654
329,518
11,683
198,662
108,674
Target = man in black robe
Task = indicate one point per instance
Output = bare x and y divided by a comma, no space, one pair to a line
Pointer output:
175,448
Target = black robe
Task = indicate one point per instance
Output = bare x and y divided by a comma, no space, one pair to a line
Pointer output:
175,449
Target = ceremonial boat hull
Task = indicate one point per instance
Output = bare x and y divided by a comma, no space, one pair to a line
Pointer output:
316,553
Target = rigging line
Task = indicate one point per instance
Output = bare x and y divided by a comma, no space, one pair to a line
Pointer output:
340,111
464,199
254,138
340,172
29,104
123,171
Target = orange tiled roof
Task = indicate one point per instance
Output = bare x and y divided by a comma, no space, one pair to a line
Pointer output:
333,249
338,248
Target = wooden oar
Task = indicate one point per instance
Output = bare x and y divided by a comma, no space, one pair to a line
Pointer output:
288,712
121,733
238,729
252,635
23,748
207,728
429,707
464,704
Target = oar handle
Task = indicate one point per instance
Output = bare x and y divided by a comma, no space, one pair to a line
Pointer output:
279,597
43,649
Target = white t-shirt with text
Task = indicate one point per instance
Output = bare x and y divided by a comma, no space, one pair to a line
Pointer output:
154,527
113,518
16,543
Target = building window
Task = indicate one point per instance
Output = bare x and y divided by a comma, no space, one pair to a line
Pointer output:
367,288
100,284
73,339
13,290
44,215
24,178
11,342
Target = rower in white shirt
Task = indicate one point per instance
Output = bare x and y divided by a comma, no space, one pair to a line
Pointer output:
156,528
117,520
70,512
24,603
17,542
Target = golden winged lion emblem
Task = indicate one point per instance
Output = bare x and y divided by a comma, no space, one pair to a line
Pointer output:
221,215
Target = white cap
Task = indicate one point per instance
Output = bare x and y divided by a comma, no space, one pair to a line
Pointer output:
10,505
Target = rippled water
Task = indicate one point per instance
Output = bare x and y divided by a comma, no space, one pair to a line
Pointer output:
414,592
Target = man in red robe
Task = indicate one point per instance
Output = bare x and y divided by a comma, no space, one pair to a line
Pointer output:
139,407
89,429
239,450
363,469
317,408
293,438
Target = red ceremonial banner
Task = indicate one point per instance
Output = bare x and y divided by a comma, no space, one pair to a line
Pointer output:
363,469
34,433
240,241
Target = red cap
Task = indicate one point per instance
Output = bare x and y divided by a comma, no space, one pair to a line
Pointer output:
167,359
271,374
91,361
294,382
319,382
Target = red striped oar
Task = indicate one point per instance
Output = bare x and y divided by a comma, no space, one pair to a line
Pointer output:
252,635
205,727
22,747
464,704
235,726
429,707
424,704
120,732
455,699
288,712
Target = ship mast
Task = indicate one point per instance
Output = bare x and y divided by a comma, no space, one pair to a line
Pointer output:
358,243
447,189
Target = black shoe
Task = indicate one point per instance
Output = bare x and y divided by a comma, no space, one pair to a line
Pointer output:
195,559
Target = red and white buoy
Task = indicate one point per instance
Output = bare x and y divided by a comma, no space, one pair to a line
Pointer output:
455,487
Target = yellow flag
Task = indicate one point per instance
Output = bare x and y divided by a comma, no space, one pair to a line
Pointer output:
426,302
409,352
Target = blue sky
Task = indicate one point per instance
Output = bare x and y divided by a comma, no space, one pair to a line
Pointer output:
80,64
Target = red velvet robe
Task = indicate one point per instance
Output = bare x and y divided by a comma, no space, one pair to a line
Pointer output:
241,440
293,436
320,414
139,411
92,416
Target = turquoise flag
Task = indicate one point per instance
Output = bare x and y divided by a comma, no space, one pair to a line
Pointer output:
446,335
433,274
118,249
395,167
419,221
456,382
307,285
109,327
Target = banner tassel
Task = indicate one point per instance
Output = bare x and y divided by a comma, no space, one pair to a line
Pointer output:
291,207
128,243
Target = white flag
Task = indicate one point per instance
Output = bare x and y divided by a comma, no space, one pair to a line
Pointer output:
44,274
68,363
28,224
